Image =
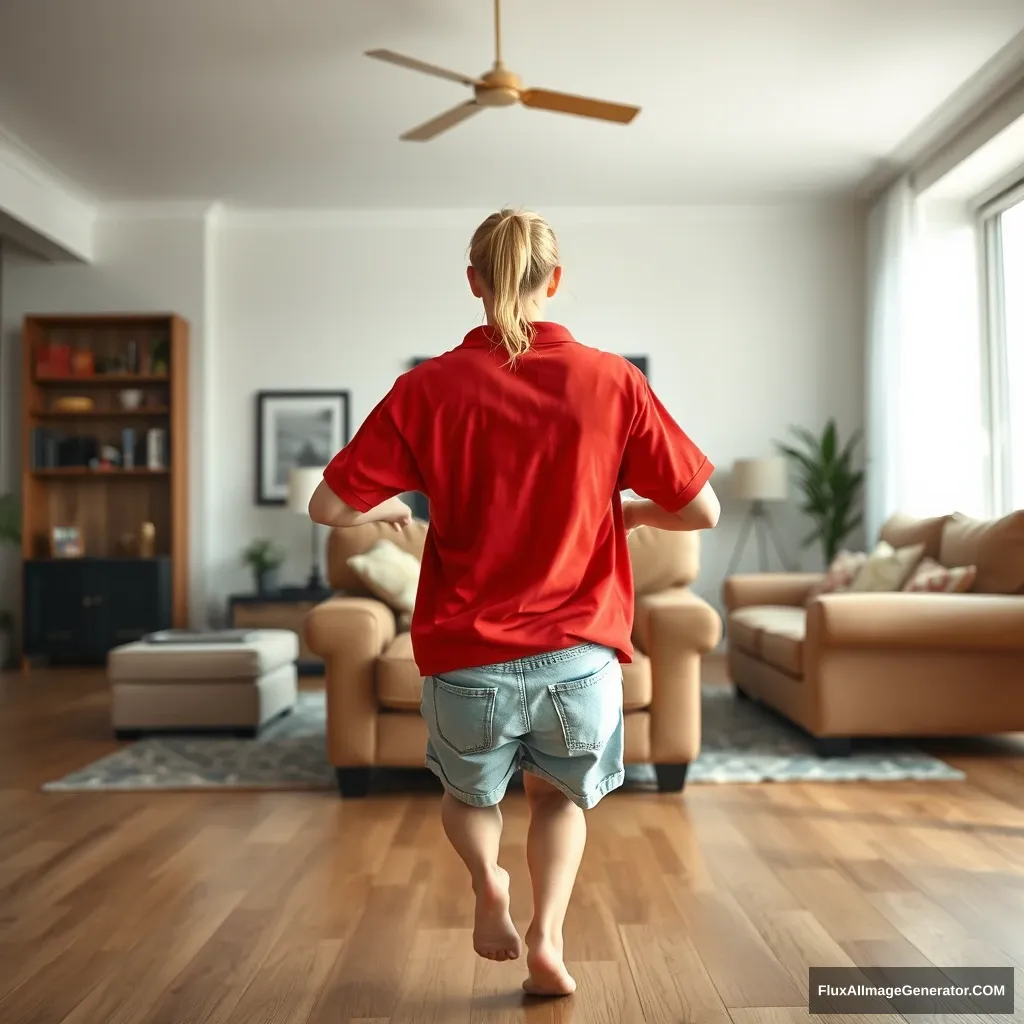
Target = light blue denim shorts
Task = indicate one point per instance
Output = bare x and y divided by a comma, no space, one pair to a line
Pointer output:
556,715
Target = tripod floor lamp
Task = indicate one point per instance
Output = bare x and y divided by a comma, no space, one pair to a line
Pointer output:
759,481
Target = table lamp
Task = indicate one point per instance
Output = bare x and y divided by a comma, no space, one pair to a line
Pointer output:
302,483
759,481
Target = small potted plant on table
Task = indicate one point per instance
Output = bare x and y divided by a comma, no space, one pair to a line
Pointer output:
264,558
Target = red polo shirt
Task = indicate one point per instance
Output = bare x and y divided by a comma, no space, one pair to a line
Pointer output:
526,551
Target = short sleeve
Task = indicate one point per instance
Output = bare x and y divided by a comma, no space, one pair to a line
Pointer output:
659,461
377,463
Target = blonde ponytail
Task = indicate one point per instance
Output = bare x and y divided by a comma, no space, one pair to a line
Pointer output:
514,253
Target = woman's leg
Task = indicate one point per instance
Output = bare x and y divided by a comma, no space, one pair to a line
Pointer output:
475,834
554,848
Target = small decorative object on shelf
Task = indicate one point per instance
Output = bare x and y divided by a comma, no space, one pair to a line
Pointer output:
72,403
128,448
147,541
160,356
66,542
156,448
132,357
130,398
83,363
264,557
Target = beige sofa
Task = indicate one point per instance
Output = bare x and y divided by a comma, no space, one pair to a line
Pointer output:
374,687
854,665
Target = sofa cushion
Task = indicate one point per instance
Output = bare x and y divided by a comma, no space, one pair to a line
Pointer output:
747,625
783,644
995,547
903,531
400,685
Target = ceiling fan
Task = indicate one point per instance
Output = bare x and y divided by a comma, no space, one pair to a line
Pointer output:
499,87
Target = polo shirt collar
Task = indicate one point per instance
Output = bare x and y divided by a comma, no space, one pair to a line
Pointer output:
544,333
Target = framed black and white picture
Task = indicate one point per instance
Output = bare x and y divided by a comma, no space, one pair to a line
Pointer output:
296,429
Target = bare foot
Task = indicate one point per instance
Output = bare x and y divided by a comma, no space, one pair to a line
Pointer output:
494,935
548,976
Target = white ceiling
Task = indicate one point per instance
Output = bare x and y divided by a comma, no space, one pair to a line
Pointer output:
271,103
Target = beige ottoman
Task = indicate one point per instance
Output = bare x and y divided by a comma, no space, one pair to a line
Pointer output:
178,687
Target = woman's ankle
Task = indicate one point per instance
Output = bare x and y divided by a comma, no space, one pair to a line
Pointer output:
544,936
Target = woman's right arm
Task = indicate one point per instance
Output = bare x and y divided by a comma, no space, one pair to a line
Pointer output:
699,514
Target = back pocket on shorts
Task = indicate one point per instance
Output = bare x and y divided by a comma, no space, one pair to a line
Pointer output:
464,715
589,709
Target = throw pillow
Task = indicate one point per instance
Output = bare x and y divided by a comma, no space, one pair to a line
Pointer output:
888,568
840,575
389,573
932,578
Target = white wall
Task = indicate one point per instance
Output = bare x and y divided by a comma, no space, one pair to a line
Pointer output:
142,264
751,317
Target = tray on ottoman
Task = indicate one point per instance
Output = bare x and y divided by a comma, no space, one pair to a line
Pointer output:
236,686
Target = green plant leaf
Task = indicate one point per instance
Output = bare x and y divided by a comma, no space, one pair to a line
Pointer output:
828,442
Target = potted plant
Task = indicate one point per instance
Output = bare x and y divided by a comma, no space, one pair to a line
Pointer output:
264,558
10,533
831,485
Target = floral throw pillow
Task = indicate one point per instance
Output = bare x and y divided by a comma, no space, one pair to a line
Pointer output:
845,568
932,578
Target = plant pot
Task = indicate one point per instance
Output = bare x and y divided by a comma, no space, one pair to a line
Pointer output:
266,581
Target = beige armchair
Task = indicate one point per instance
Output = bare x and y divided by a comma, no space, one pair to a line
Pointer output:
374,687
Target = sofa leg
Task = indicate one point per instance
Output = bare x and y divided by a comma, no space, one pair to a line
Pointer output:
353,782
833,746
671,777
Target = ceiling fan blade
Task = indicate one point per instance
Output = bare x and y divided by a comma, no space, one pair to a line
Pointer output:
418,65
564,103
441,123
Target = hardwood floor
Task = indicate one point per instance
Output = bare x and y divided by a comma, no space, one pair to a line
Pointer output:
287,908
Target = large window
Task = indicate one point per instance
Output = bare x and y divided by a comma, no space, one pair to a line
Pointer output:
1004,228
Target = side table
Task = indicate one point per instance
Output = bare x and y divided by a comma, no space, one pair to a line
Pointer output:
286,608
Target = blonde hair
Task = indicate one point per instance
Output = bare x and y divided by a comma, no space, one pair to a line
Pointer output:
514,253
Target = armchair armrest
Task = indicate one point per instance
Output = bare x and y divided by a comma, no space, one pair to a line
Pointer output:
774,588
985,622
674,628
676,618
350,634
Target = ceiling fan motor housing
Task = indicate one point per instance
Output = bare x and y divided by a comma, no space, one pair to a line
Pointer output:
499,88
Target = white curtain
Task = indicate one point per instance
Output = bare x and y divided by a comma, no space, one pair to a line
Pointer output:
926,437
890,253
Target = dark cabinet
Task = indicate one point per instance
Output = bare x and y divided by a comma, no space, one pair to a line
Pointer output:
76,610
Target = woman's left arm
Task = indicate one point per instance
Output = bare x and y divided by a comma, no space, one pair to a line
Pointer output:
327,509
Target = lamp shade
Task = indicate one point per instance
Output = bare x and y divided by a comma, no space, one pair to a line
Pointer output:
301,485
765,479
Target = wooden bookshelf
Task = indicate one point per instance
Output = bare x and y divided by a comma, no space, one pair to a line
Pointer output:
129,377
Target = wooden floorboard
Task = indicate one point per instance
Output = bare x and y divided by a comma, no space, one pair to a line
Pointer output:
299,908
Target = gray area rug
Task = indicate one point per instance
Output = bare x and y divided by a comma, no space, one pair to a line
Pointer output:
742,742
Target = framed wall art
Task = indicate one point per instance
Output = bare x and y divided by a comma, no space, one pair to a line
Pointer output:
296,429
